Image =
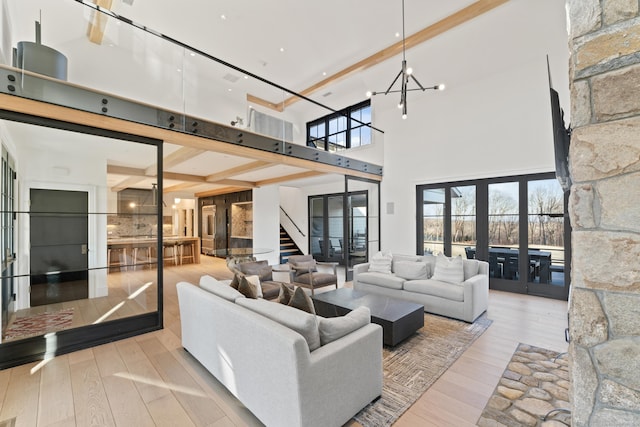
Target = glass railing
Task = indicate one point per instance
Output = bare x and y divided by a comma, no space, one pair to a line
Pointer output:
106,52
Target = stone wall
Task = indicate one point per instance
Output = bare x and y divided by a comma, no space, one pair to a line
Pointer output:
604,310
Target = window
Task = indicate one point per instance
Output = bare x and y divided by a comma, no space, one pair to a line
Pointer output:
517,224
344,129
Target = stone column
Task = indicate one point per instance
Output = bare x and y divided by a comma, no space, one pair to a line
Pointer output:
604,309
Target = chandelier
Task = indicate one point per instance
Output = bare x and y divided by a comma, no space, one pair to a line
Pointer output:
404,75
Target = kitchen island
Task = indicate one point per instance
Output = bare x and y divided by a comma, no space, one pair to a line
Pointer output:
131,252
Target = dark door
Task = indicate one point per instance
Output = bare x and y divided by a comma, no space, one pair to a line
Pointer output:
59,246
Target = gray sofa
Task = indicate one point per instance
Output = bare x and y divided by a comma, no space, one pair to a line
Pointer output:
414,282
271,368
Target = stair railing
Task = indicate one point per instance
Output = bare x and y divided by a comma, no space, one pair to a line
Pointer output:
292,222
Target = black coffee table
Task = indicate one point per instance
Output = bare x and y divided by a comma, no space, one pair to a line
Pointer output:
399,319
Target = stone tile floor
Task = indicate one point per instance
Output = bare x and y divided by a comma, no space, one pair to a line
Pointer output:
535,384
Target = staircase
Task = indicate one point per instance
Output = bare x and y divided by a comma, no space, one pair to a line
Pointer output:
287,246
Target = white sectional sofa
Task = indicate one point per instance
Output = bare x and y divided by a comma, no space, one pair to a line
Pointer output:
271,368
411,278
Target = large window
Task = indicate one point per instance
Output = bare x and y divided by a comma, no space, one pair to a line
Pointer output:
344,129
517,224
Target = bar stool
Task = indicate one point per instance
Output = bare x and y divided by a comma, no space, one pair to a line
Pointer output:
191,247
170,252
121,259
145,251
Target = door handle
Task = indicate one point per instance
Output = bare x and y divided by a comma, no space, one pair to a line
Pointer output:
84,249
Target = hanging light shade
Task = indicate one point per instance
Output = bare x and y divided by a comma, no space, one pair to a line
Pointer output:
405,76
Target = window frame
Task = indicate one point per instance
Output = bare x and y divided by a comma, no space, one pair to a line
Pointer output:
327,121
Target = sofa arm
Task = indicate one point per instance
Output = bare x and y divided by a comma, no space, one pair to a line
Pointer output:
344,376
357,269
476,296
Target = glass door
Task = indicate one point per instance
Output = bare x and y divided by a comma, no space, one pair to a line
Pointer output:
517,224
504,236
547,259
433,220
362,229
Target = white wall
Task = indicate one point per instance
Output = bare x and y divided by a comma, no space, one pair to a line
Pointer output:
496,125
266,222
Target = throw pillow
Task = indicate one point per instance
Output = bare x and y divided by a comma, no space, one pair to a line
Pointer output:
214,286
301,301
410,270
246,288
285,294
260,268
449,270
471,267
334,328
381,262
235,282
255,281
305,267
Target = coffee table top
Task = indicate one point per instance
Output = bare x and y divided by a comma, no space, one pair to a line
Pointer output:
381,306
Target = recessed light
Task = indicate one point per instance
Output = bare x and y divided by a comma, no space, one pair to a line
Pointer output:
281,49
324,73
192,54
397,34
246,77
229,90
179,70
223,17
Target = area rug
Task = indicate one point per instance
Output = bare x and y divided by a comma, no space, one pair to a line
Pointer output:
533,391
39,324
412,366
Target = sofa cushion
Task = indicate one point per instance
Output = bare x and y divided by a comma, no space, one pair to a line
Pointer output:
301,301
262,269
448,269
470,267
297,320
381,279
436,288
214,286
381,262
401,258
410,270
334,328
319,279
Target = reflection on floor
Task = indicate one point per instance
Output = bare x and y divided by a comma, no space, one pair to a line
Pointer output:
130,293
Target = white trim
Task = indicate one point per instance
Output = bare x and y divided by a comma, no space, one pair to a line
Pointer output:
97,279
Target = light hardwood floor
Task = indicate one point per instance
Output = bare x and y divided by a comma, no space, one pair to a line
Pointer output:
150,380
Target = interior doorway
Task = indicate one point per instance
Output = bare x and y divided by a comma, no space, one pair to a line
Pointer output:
59,235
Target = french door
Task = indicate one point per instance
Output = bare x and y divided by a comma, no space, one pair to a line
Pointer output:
517,224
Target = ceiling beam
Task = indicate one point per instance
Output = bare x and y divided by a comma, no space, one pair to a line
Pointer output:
179,156
179,187
458,18
127,183
218,191
247,167
137,175
278,106
236,182
98,23
301,175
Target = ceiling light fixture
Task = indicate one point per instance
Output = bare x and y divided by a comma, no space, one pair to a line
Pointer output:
405,74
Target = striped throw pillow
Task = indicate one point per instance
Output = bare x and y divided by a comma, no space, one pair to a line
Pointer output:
449,270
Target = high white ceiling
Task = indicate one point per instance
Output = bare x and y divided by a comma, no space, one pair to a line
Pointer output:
292,43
